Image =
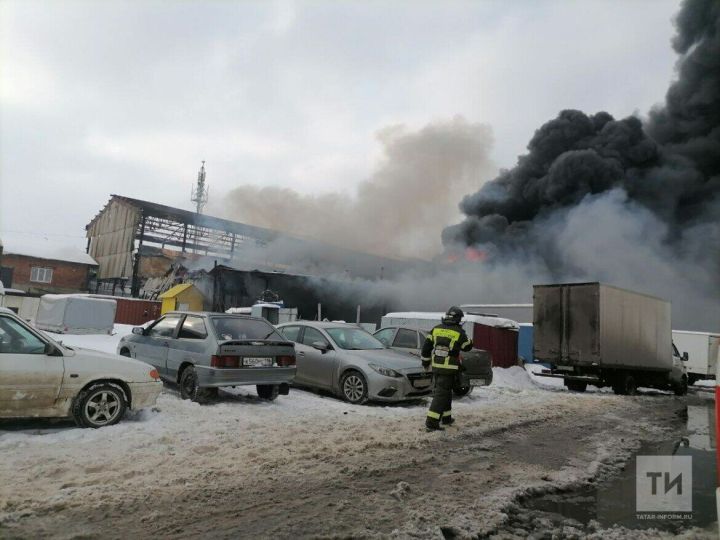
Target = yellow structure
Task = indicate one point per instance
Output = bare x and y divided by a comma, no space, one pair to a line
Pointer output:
183,297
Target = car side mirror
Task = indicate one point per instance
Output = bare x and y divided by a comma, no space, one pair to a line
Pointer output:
138,330
685,357
52,350
320,346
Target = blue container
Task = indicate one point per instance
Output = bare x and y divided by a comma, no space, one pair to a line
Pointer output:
525,343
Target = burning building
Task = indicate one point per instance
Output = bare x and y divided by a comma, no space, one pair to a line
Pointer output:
143,248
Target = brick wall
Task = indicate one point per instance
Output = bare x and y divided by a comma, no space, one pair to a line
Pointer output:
67,277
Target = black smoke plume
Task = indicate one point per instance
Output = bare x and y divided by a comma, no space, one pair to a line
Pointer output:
631,202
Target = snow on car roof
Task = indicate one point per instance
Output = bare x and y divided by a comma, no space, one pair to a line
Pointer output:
497,322
41,247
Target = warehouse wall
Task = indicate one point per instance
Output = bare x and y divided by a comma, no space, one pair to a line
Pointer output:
112,239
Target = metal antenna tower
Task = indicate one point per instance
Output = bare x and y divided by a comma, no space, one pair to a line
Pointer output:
199,194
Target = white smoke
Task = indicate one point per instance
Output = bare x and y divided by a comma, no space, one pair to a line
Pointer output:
398,211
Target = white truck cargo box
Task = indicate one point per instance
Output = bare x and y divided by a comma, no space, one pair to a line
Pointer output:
76,314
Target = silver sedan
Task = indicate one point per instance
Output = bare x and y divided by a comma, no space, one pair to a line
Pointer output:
351,363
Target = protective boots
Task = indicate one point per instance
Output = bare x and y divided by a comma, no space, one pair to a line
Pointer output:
433,425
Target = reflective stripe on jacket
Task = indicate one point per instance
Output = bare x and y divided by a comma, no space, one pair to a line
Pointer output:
443,345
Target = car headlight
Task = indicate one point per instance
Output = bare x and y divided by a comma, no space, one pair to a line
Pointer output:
387,372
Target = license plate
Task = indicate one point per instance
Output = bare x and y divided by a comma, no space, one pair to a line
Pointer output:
477,382
257,362
422,383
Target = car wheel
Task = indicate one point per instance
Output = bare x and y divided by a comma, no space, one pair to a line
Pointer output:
189,388
354,387
462,390
125,352
268,391
576,386
98,406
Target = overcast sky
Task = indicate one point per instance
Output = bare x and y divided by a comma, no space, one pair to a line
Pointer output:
128,97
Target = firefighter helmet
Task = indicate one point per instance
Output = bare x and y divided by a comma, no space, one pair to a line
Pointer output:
454,315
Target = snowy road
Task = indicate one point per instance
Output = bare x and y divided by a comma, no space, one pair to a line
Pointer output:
313,466
310,466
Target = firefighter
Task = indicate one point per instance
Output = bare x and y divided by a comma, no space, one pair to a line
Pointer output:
441,352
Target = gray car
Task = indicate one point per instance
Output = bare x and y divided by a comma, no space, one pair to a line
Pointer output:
351,363
203,351
408,340
476,364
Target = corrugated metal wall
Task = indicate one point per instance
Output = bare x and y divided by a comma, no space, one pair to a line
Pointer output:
112,236
501,342
131,311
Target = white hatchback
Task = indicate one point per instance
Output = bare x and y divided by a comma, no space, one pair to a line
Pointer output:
40,378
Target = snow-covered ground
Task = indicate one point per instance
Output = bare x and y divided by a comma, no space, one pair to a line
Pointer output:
310,464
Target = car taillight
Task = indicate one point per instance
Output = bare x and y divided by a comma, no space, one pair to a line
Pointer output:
224,361
285,360
154,374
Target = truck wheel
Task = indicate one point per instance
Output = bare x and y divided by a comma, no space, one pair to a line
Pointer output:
189,388
692,379
576,386
268,392
625,385
682,388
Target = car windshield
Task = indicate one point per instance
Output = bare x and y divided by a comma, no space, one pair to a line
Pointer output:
228,328
354,339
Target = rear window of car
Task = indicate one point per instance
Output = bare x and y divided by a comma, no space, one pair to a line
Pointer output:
228,328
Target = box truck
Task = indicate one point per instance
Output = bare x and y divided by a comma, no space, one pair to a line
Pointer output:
592,333
703,349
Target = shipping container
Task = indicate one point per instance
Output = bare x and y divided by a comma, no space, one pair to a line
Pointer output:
606,336
703,350
134,311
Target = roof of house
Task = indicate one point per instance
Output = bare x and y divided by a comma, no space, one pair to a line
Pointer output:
172,292
41,247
